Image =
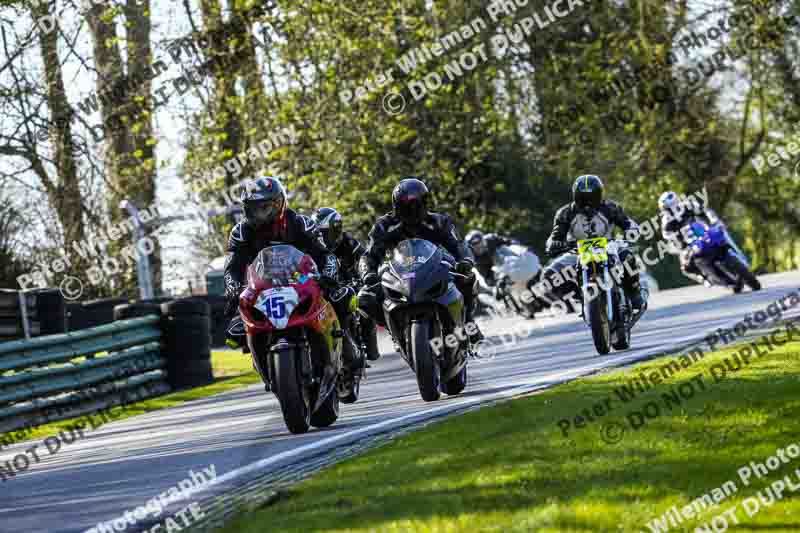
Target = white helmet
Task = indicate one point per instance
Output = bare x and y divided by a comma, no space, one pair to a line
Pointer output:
668,201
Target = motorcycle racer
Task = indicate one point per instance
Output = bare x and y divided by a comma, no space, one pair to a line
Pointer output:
483,248
589,215
674,216
410,219
348,251
268,220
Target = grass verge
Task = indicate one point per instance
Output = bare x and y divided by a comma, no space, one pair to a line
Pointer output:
231,369
511,468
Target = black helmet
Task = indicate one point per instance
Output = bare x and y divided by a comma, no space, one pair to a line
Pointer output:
264,201
329,223
476,242
410,201
587,191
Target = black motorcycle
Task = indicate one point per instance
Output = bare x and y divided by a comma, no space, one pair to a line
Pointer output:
361,344
425,314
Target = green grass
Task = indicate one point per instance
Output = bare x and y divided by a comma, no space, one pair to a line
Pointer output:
231,363
231,369
509,468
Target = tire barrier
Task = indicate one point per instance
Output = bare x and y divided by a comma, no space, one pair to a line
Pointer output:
93,313
58,377
151,348
42,310
187,342
218,323
136,310
52,311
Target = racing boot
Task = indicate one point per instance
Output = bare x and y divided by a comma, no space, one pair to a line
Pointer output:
476,336
370,333
636,294
235,335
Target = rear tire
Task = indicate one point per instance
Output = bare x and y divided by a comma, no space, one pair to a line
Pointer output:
428,373
456,384
328,412
287,385
353,393
598,320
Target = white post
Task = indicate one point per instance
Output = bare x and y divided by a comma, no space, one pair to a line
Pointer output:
142,260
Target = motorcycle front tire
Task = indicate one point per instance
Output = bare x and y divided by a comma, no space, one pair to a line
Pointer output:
425,365
742,272
599,323
287,384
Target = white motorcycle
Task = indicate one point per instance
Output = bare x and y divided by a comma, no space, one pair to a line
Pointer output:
515,269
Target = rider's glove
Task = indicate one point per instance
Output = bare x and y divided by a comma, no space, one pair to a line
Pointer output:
497,294
464,267
556,247
327,282
369,279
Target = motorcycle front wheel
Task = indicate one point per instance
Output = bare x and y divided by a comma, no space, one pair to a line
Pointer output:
425,365
741,270
598,321
287,384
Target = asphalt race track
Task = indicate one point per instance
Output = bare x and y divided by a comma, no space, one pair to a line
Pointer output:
124,464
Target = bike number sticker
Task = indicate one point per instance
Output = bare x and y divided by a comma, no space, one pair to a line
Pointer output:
593,250
277,305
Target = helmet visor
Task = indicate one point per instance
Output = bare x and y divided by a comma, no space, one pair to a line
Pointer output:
410,209
332,234
478,246
585,199
263,211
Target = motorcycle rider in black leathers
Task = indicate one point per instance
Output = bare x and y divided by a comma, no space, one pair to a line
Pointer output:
267,221
410,219
675,215
483,248
590,216
348,251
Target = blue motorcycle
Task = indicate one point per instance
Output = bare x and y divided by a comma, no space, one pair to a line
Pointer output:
720,262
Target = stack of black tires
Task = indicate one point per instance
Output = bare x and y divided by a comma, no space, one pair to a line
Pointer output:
218,323
93,313
44,308
186,337
186,324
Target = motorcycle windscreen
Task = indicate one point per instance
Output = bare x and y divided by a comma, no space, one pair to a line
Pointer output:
518,264
410,255
283,265
280,267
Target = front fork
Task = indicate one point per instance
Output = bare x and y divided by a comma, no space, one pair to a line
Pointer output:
264,349
606,286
